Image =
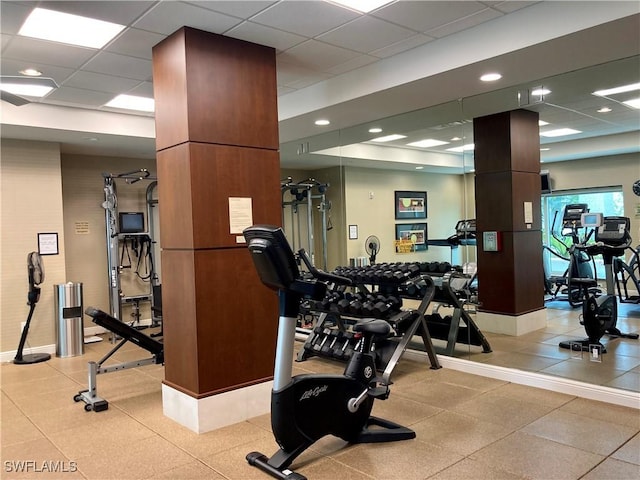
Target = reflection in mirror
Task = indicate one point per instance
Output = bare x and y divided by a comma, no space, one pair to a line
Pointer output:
431,151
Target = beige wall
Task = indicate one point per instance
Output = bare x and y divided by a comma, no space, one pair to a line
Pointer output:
31,198
370,200
83,195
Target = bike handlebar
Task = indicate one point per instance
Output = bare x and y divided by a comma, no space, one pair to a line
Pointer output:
320,274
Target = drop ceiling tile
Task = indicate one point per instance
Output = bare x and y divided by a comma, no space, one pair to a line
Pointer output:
304,82
100,82
464,23
366,34
135,43
317,55
238,9
167,17
423,16
253,32
144,89
31,50
511,6
304,18
79,96
357,62
128,67
13,15
289,73
13,67
403,45
122,13
285,90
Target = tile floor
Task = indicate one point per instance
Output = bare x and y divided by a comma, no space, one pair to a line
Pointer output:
468,427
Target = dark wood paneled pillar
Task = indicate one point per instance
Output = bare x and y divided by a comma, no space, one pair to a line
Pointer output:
507,163
216,139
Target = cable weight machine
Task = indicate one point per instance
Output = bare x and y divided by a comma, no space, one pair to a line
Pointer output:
302,198
122,227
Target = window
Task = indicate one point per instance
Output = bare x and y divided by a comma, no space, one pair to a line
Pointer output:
607,200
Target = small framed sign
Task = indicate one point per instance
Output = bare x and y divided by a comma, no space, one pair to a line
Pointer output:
48,243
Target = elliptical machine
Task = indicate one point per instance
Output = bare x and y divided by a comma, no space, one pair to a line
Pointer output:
600,313
308,407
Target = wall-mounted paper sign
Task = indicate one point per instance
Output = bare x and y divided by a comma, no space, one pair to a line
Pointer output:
81,228
48,243
240,214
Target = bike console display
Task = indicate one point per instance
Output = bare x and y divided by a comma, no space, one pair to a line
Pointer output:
614,232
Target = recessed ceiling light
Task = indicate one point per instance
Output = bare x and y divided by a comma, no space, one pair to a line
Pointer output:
322,122
375,130
30,72
542,123
621,89
388,138
131,102
426,143
633,103
463,148
363,6
603,110
71,29
490,77
560,132
538,92
419,168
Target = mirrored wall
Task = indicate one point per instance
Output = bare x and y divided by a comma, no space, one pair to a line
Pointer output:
410,178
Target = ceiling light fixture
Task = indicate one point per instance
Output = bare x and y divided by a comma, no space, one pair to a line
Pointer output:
603,110
490,77
455,139
388,138
426,143
542,123
538,92
70,29
27,86
463,148
131,102
375,130
560,132
633,103
322,122
364,6
30,72
621,89
419,168
545,149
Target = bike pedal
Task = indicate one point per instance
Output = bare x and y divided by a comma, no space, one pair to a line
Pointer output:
379,393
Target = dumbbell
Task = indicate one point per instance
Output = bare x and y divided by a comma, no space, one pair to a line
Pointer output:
384,308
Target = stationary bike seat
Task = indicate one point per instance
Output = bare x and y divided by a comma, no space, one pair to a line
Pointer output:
374,326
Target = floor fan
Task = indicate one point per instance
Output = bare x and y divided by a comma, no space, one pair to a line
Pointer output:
36,277
372,247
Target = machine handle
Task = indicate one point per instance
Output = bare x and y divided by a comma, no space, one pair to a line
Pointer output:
322,275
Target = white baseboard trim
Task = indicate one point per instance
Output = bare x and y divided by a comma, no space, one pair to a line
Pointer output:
625,398
11,354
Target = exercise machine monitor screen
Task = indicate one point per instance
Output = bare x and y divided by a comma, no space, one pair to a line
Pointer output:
131,222
591,220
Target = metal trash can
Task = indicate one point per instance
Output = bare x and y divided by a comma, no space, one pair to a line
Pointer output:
69,327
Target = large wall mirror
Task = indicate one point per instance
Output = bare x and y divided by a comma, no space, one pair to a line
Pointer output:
590,145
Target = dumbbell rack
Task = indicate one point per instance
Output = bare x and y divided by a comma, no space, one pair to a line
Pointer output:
332,338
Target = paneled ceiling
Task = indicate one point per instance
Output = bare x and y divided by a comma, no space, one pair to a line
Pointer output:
320,44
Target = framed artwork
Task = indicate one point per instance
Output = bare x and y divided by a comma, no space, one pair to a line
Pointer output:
414,234
410,205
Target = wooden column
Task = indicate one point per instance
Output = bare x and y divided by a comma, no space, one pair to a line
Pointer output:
507,163
216,139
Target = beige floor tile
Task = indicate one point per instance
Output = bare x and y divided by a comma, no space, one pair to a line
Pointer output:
584,370
438,394
37,459
612,469
630,451
626,381
470,469
545,350
589,434
11,373
405,460
262,421
403,410
195,470
159,456
33,404
18,429
533,457
533,395
71,416
477,382
458,433
330,469
523,361
604,411
502,410
54,382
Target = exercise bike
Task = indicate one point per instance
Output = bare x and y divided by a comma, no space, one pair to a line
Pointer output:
600,313
308,407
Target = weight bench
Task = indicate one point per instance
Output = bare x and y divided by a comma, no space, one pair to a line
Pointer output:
128,334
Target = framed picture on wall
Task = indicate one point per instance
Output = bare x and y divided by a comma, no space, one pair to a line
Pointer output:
416,233
410,205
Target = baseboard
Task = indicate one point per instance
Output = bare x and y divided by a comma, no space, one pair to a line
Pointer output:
11,354
625,398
